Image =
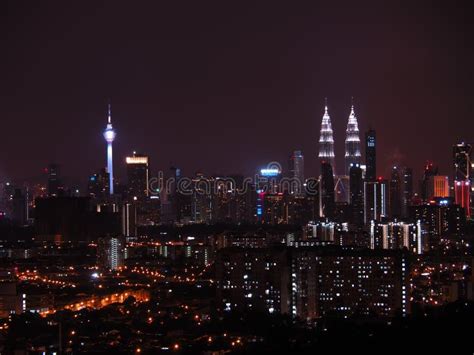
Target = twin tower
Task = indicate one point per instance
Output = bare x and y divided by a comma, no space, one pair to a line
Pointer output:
352,143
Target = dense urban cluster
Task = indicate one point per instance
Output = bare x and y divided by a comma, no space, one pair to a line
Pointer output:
165,262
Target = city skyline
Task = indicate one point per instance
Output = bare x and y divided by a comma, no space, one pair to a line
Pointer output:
182,88
351,132
280,177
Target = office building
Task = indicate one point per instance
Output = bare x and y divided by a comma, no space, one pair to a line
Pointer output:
442,218
375,200
370,156
98,185
407,190
296,173
439,187
326,191
462,195
137,176
462,161
110,253
356,195
463,177
275,208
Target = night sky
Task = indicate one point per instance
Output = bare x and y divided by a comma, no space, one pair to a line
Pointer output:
226,86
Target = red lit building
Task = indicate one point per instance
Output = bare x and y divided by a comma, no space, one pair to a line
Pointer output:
462,194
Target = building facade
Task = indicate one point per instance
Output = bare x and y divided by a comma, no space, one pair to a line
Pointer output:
313,282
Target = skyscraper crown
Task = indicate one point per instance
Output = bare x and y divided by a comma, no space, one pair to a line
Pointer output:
352,142
326,139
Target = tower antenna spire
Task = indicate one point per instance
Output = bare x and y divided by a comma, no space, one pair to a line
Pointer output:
109,112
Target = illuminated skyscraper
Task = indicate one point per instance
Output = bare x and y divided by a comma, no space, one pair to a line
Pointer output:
375,200
352,155
439,186
462,192
137,174
109,135
463,168
462,155
326,141
370,157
